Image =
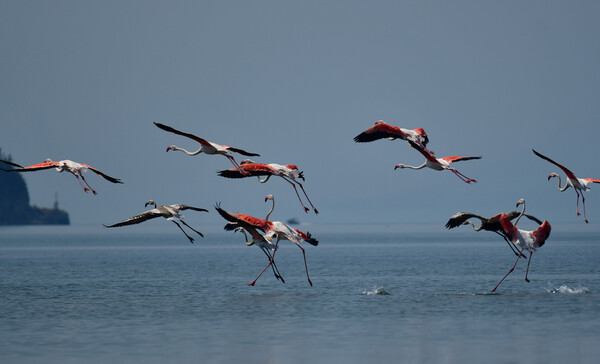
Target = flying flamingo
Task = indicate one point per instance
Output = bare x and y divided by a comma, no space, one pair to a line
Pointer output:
288,172
169,212
382,130
530,240
578,184
272,231
439,164
205,146
491,224
76,169
260,242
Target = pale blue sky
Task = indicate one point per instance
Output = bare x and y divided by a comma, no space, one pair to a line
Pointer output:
295,82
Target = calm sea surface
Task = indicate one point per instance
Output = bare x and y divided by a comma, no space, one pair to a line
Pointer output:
381,293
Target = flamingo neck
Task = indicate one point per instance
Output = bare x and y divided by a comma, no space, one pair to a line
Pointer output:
520,215
414,167
272,208
187,152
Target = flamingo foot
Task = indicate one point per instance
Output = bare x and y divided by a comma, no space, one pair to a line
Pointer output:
316,211
306,209
527,280
309,281
586,221
95,193
252,283
86,189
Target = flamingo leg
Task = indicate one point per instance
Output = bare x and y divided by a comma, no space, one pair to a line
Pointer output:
512,246
268,265
462,176
196,231
306,209
236,165
527,271
273,266
511,269
85,189
577,206
179,226
583,204
91,189
300,184
305,265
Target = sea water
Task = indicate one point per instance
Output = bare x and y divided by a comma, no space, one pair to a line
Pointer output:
411,294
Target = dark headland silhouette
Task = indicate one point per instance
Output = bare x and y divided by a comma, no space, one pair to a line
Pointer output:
14,202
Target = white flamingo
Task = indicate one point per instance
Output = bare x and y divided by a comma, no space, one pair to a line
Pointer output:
169,212
578,184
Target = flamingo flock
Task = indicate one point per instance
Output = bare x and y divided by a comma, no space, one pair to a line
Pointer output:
266,234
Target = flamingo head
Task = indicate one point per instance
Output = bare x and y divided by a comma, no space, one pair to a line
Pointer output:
552,175
247,161
170,147
268,197
521,201
294,172
150,202
399,166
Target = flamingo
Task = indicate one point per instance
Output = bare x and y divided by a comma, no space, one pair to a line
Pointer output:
272,231
439,164
288,172
530,240
206,146
578,184
169,212
382,130
259,241
76,169
491,224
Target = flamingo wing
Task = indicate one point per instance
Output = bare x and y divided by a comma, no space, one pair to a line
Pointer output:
181,207
307,237
35,167
565,169
507,226
459,218
379,131
11,163
245,221
250,169
241,151
426,153
105,176
453,158
593,180
191,136
139,218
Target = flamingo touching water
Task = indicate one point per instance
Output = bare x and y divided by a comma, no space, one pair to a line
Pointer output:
288,172
205,146
439,164
530,240
382,130
578,184
76,169
169,212
491,224
273,231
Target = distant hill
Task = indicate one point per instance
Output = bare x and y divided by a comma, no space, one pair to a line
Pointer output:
14,202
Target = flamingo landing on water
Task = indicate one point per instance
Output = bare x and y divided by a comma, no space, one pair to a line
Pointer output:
76,169
578,184
529,240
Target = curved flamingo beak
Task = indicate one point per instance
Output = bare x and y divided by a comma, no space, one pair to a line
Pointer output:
170,147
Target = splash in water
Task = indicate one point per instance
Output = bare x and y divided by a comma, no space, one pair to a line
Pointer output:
376,291
564,289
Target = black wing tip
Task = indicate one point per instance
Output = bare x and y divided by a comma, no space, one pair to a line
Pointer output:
311,240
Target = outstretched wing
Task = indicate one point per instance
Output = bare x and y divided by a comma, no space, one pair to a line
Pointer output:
242,220
191,136
459,218
565,169
507,226
35,167
251,169
182,207
426,152
144,216
241,151
11,163
379,131
453,158
105,176
307,237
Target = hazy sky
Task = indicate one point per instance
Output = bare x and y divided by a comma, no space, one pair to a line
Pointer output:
295,82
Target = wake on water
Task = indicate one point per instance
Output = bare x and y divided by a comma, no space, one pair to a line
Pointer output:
564,289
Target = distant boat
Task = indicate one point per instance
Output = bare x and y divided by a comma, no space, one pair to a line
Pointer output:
293,221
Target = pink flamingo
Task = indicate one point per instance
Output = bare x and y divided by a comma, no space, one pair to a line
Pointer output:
76,169
530,240
383,130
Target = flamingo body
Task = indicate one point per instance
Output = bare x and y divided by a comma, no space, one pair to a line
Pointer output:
383,130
